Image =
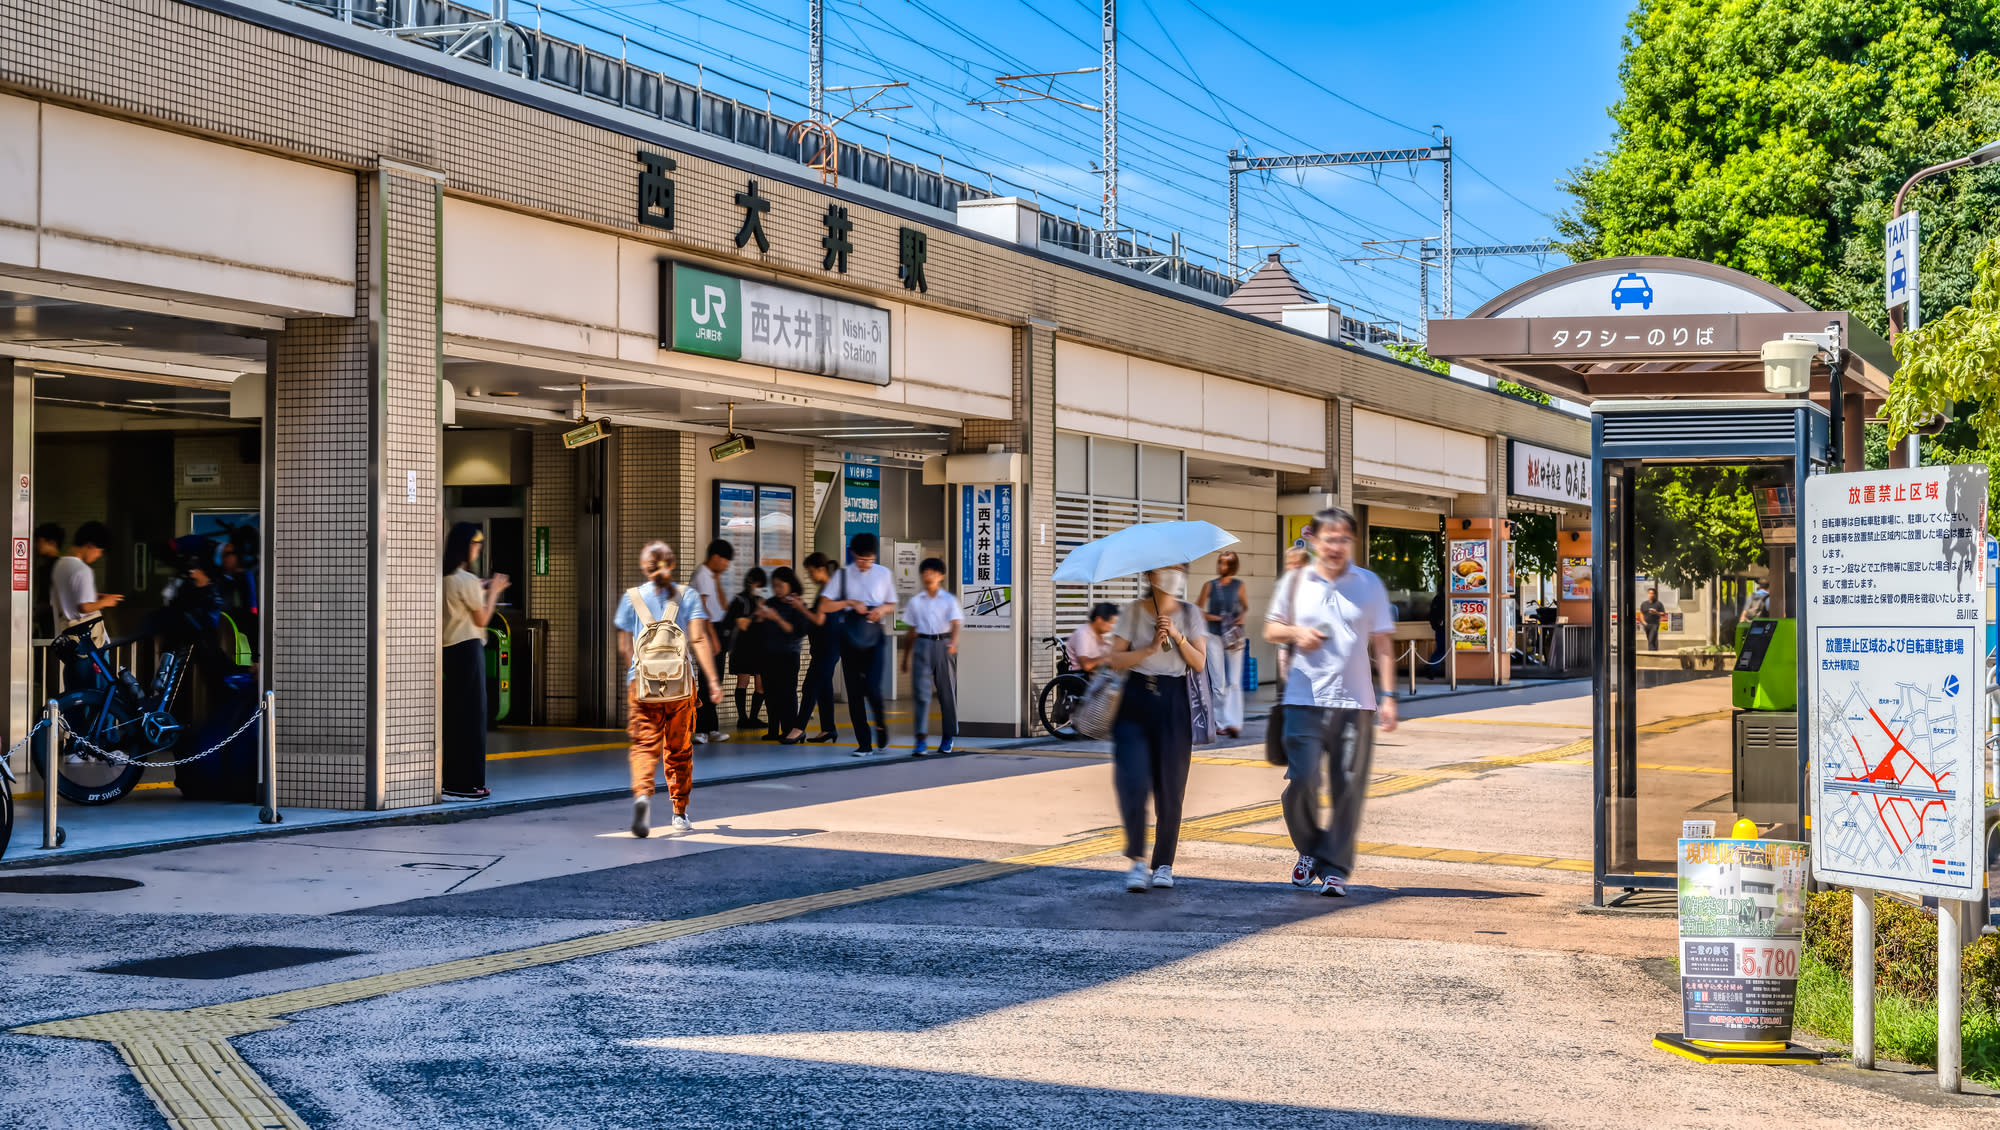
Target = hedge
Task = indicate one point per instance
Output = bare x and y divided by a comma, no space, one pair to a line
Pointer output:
1905,949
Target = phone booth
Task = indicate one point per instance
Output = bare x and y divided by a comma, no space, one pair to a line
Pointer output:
1709,737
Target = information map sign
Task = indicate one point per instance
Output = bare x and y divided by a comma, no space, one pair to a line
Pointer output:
1894,603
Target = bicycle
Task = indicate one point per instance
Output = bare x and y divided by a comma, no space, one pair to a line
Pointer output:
1061,695
109,715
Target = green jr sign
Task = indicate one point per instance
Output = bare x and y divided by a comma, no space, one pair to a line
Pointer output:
718,315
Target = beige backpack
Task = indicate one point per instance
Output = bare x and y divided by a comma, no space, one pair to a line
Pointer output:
661,669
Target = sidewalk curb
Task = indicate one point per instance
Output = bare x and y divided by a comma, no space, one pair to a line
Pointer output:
432,815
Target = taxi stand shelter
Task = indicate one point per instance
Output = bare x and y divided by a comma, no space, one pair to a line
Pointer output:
1662,758
1666,352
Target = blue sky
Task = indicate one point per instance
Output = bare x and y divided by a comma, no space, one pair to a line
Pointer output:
1520,86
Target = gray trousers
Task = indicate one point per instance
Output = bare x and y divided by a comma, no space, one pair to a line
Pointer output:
1343,742
934,672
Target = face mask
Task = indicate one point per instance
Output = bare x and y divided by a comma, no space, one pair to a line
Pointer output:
761,594
1173,582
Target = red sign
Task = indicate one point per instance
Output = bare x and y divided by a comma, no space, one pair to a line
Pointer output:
20,564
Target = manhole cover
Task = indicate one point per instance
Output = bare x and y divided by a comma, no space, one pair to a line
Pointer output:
64,884
230,961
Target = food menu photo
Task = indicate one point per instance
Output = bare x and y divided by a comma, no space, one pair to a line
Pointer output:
1470,625
1468,566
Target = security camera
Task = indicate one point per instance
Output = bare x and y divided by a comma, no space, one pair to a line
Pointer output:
1788,366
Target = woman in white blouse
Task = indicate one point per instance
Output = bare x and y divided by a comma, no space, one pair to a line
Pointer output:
1159,639
466,611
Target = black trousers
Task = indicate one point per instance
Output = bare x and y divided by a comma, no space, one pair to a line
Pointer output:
705,720
1334,745
464,716
819,683
1152,745
1652,635
781,688
863,666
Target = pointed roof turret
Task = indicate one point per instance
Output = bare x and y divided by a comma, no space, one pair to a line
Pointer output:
1268,290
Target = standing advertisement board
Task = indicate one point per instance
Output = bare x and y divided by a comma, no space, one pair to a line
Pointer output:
860,502
1894,603
1742,912
1471,624
1468,565
986,555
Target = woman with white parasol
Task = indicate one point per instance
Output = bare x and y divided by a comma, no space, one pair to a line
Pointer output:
1160,643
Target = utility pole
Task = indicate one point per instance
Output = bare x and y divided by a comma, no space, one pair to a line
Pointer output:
816,60
1240,163
1109,69
1435,251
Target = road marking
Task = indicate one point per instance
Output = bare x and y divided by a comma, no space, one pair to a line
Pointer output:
186,1065
1402,851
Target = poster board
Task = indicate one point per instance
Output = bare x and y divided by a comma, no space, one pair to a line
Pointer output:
986,555
759,521
1576,581
1467,566
1471,624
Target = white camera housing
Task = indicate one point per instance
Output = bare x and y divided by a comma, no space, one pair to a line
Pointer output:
1788,366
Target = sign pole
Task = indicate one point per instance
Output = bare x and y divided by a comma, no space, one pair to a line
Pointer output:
1864,979
1948,918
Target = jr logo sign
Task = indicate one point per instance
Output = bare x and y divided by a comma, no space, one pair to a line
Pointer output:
707,320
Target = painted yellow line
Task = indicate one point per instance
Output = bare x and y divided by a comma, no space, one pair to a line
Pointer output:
515,755
1502,722
184,1062
1401,851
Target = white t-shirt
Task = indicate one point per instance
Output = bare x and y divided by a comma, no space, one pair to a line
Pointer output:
932,615
71,586
1135,626
872,588
1085,643
711,594
462,598
1348,610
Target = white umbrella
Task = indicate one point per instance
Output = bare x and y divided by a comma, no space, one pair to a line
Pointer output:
1135,549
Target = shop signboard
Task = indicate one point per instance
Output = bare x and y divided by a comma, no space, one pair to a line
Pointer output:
1468,560
1548,474
719,315
1576,578
1471,624
986,561
1895,606
860,502
1742,912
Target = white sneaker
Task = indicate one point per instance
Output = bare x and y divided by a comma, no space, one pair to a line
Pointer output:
642,808
1163,876
681,823
1304,872
717,737
700,738
1138,878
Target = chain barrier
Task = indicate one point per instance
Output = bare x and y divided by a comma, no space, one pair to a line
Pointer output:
23,743
118,758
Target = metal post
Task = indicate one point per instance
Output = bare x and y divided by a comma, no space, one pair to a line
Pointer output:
1110,76
267,762
1445,160
1423,294
1233,269
496,39
1948,912
1864,979
816,60
52,833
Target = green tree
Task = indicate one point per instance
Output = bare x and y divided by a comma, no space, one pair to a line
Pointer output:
1951,365
1695,523
1772,135
1534,542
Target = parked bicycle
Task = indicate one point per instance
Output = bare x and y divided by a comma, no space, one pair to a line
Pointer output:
109,726
1061,695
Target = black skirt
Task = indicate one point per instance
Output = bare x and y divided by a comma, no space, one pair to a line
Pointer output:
463,717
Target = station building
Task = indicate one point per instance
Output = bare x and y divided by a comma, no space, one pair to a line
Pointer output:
266,263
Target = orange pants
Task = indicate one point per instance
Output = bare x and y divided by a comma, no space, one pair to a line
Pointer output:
662,736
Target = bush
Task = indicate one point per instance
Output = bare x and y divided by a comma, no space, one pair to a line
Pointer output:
1905,950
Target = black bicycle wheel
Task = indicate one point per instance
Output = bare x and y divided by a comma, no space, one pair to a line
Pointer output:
85,776
1059,700
6,813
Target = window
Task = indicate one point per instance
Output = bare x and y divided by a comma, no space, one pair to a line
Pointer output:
1098,488
1411,565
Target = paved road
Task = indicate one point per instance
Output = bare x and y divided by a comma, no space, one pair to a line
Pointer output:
940,943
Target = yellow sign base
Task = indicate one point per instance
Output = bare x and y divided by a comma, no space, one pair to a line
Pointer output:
1731,1051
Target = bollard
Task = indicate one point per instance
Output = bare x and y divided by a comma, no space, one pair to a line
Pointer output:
267,762
1949,1018
1864,979
52,833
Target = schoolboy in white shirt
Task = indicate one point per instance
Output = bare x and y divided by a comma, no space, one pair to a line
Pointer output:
935,620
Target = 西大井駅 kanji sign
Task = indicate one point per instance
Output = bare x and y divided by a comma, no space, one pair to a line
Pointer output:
735,319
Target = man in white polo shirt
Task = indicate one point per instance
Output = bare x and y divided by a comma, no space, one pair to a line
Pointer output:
866,592
1330,616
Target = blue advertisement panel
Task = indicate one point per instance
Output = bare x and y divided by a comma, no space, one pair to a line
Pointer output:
986,554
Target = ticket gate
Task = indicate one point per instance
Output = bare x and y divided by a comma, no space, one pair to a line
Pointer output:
1702,744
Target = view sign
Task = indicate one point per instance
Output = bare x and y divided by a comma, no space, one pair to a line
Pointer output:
1899,260
719,315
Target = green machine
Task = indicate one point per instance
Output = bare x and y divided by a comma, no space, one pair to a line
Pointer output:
1767,666
499,669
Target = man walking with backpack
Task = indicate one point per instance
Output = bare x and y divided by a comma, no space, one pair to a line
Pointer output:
1330,616
661,628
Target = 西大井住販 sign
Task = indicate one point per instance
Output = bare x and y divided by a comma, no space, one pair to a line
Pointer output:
719,315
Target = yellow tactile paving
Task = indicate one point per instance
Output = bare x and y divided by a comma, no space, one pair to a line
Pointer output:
1397,851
